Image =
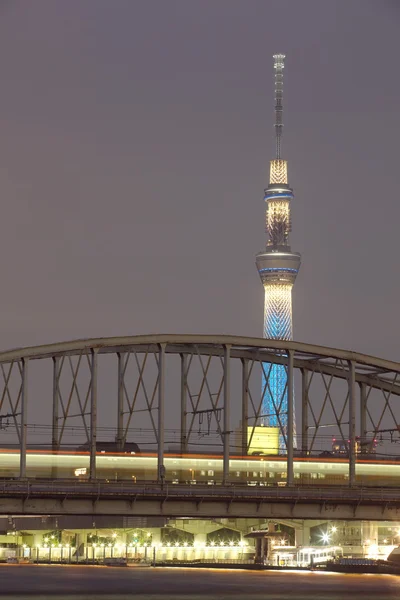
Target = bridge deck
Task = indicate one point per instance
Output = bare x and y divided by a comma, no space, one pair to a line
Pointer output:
100,498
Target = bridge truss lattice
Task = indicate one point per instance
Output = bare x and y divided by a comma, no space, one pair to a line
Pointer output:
202,385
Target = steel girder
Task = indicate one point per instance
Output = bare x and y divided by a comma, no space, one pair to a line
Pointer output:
205,390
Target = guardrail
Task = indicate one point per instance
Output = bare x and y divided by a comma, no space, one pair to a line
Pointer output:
153,490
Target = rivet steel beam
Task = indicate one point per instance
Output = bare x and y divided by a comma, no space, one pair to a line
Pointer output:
363,414
227,416
93,413
352,424
184,441
290,421
24,410
161,408
55,434
304,410
245,404
120,401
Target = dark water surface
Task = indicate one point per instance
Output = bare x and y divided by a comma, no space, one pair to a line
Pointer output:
84,583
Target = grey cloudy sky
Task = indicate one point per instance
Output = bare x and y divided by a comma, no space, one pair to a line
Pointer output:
134,146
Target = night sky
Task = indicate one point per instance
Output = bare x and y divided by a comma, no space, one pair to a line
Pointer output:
134,151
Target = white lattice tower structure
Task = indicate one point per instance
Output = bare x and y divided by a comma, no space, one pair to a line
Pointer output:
278,267
278,310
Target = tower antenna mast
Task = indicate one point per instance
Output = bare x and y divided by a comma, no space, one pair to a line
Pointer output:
279,65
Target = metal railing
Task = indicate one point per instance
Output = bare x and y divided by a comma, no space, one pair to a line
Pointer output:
117,490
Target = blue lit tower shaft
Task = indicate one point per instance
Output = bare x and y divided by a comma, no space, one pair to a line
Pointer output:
278,267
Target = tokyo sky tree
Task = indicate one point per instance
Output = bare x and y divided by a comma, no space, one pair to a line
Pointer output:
278,267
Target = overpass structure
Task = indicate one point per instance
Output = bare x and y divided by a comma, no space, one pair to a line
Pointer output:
195,382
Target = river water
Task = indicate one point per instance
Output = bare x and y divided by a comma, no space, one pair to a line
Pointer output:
140,583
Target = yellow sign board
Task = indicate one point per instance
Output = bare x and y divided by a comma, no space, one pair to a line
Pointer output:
263,440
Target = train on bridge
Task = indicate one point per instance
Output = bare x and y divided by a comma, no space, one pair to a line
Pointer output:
193,469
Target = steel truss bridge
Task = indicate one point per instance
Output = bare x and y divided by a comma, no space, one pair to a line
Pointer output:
187,381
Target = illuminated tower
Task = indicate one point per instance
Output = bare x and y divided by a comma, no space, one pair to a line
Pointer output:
278,267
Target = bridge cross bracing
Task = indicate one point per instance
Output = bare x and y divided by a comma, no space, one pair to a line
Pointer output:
217,378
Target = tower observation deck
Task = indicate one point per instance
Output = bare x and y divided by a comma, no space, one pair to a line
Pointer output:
278,267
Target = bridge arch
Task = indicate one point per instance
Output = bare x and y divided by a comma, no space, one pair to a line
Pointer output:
216,387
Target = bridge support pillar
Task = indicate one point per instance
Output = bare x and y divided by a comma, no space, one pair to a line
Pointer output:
369,535
227,417
302,534
200,539
261,550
